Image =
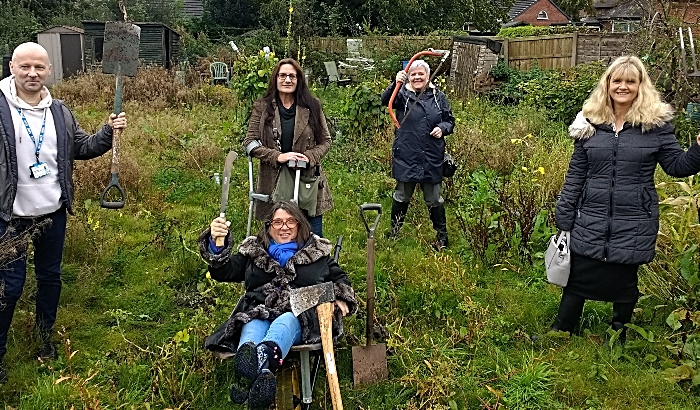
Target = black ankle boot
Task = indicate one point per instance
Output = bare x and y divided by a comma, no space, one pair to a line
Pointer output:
570,309
264,388
269,356
398,214
623,334
437,216
245,368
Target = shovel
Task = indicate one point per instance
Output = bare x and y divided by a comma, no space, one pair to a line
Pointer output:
369,361
121,57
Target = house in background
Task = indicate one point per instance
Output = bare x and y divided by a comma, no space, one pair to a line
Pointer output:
159,45
621,16
64,45
537,13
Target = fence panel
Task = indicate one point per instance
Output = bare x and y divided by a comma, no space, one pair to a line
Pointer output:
551,52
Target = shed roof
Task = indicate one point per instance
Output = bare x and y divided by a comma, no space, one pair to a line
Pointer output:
138,23
621,9
63,29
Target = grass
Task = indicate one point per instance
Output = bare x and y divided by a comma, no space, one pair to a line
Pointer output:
137,305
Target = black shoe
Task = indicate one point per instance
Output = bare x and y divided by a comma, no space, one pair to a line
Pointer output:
3,374
47,352
262,394
245,368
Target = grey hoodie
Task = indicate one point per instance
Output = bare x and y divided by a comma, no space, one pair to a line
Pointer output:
70,143
35,196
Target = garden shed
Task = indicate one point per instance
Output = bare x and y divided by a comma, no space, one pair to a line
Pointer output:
65,47
160,45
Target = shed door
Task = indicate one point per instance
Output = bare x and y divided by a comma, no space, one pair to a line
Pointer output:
71,53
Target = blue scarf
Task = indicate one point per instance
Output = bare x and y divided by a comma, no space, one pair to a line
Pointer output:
282,252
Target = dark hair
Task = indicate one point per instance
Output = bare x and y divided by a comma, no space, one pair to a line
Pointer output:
302,96
303,228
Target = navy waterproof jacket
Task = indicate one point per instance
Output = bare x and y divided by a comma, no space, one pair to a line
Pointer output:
609,202
416,155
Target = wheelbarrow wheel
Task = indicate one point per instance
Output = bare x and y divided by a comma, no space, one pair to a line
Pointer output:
288,391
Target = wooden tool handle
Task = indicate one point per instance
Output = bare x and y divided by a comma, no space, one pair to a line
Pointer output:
325,321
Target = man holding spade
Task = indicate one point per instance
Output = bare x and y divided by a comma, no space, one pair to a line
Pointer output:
39,140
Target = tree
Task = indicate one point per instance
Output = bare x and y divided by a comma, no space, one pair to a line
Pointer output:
573,8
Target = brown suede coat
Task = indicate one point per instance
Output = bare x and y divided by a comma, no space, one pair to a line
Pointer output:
305,142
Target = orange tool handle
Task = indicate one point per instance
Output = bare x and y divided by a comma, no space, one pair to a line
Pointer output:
428,52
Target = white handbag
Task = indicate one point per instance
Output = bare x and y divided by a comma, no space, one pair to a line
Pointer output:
557,259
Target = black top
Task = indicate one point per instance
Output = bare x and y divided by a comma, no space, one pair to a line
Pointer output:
287,117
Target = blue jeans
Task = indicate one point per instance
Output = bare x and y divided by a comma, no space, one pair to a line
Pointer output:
48,254
285,331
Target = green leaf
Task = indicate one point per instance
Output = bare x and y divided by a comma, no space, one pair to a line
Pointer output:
673,322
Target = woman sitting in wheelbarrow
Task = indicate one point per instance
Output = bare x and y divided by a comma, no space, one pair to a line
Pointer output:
284,255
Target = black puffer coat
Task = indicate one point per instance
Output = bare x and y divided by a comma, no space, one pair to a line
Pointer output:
268,284
608,201
416,155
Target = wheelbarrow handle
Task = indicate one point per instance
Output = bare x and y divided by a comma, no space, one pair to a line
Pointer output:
370,207
338,247
113,183
429,52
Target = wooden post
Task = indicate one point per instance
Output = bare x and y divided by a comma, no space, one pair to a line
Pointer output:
505,50
574,50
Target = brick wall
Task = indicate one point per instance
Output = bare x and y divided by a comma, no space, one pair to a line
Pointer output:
530,15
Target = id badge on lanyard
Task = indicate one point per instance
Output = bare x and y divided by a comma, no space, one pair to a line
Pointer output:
38,169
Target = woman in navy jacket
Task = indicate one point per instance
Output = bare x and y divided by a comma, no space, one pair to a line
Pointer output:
419,146
608,202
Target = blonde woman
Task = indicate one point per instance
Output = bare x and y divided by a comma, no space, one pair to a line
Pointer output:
608,202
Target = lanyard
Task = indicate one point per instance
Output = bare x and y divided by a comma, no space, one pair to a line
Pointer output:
37,145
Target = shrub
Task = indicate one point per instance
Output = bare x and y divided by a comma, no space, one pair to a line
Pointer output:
562,94
252,75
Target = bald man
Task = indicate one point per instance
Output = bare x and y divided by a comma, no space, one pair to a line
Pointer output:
39,140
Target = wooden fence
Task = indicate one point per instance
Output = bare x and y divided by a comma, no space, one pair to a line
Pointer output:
381,46
560,52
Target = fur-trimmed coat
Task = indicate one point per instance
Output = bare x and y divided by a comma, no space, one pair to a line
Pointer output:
608,201
267,286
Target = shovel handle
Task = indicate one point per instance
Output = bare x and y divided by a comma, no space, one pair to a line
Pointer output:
370,289
113,183
370,207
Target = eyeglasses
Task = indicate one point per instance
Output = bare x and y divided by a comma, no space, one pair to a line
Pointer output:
279,223
283,77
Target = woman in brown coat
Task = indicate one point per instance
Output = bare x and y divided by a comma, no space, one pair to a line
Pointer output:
288,124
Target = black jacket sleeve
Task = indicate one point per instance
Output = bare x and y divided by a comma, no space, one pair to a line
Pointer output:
673,159
341,285
565,211
87,146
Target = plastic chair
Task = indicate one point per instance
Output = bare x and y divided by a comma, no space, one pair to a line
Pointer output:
333,76
219,72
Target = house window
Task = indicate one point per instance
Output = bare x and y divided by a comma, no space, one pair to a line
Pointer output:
542,15
624,26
